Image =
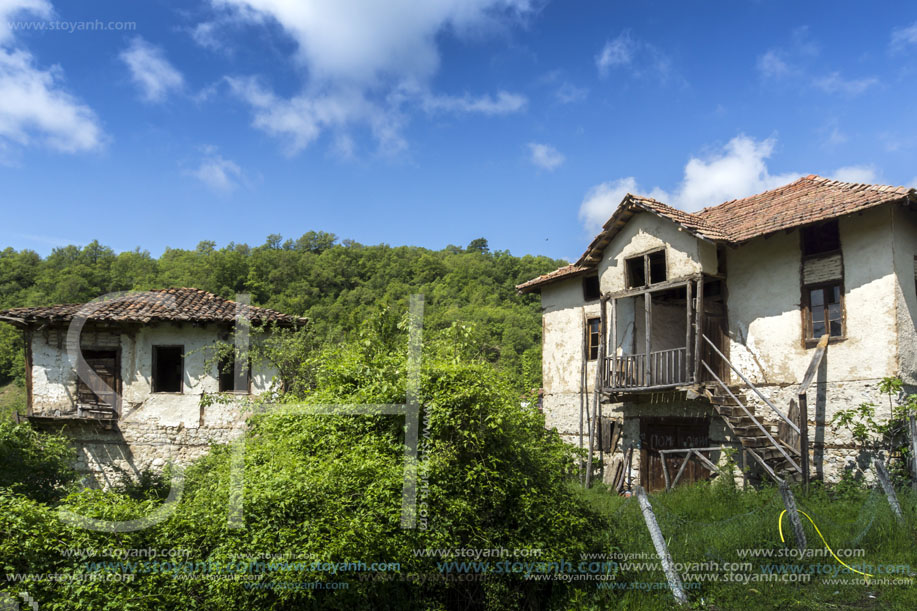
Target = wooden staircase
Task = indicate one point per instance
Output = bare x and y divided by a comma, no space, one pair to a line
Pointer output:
782,453
746,427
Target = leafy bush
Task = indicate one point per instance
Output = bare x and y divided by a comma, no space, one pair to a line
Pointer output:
38,465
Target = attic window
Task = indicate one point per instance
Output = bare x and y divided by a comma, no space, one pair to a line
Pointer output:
591,290
820,239
650,265
168,368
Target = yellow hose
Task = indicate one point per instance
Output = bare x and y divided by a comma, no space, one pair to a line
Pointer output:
780,528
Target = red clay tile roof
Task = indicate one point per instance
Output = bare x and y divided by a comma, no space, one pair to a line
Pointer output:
172,305
808,200
568,271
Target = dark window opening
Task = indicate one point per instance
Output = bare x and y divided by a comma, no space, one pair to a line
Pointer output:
168,368
592,337
825,313
636,273
591,290
637,269
820,239
227,374
657,266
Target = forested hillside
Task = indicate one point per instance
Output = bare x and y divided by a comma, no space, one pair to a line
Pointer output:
337,284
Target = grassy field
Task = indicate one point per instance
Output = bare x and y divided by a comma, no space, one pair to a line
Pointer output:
708,527
12,400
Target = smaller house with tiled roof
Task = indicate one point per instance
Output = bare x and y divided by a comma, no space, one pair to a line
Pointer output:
748,324
127,377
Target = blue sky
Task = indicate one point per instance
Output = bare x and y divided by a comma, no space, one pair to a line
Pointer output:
430,122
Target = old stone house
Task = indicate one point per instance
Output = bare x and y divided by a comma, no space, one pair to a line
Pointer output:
793,304
131,396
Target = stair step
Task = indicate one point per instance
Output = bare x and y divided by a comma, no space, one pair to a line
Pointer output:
755,442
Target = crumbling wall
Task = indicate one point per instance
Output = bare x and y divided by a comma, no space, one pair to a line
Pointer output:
153,428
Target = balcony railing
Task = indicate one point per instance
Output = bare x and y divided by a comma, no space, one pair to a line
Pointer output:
664,368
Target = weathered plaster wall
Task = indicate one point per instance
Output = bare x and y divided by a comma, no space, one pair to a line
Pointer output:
764,295
685,254
905,249
564,376
154,428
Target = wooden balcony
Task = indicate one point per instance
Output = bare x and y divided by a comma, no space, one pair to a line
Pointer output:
663,369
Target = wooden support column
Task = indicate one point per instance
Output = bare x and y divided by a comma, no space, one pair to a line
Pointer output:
613,343
789,501
648,331
688,360
698,327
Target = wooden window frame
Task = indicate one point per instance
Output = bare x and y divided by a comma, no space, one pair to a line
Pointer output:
807,339
590,348
153,372
647,279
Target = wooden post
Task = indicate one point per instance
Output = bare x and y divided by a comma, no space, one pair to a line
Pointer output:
688,359
600,382
887,486
803,425
661,550
790,503
613,345
698,327
648,331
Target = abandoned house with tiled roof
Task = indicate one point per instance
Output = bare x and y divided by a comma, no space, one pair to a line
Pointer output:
125,377
747,325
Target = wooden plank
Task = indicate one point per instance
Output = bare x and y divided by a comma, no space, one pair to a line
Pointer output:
648,332
698,327
912,424
662,286
688,299
814,364
681,469
804,439
662,551
613,345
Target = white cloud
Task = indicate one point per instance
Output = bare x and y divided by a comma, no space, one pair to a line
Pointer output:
545,156
856,173
640,58
33,106
11,8
217,173
617,52
738,170
568,94
903,37
601,200
793,65
835,83
504,103
151,71
366,61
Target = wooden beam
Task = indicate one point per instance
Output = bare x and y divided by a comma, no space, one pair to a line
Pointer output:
612,373
698,327
648,332
817,357
688,359
661,286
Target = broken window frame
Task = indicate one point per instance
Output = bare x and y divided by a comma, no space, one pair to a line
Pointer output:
630,281
809,321
154,374
593,338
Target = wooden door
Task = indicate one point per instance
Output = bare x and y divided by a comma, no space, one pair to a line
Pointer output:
716,328
670,434
106,365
